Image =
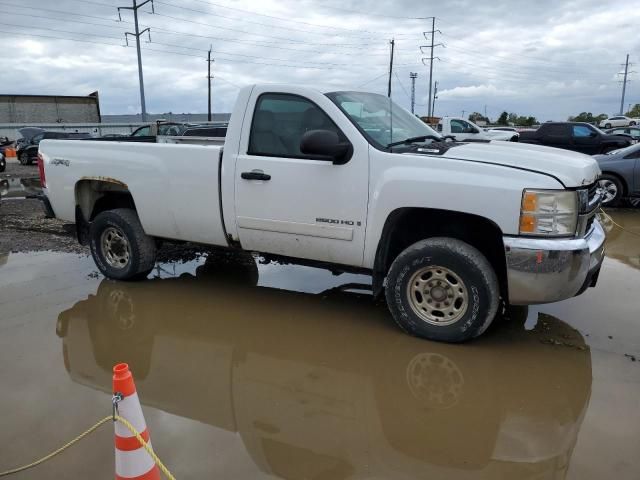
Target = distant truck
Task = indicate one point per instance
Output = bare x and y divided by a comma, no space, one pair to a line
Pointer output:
464,130
576,136
451,227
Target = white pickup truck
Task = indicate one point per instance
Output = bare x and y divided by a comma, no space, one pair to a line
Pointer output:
355,182
464,130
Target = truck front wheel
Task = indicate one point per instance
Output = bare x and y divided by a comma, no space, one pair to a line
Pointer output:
442,289
120,248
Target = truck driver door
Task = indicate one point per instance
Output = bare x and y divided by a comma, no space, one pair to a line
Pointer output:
293,204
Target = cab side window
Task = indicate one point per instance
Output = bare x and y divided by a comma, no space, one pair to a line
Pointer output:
581,131
280,121
457,126
142,132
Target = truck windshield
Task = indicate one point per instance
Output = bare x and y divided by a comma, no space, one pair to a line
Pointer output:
379,119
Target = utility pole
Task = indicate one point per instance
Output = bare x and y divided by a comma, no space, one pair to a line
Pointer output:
624,84
432,33
413,76
435,96
393,43
137,34
463,113
209,77
485,112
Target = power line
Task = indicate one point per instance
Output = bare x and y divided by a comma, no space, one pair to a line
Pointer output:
282,18
372,80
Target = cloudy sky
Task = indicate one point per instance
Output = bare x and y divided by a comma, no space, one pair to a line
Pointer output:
544,58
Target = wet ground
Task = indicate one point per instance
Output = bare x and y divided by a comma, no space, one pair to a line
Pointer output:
252,370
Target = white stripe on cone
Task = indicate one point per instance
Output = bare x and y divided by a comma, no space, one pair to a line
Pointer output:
133,463
129,408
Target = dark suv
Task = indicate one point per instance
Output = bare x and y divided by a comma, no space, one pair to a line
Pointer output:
576,136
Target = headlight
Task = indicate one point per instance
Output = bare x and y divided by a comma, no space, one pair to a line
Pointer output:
552,213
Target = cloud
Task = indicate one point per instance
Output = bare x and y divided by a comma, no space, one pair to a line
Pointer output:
546,58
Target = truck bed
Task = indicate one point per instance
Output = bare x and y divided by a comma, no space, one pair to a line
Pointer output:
175,187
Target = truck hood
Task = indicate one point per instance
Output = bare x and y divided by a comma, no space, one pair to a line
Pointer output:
571,168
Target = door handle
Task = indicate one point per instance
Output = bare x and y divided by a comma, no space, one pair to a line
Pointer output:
255,175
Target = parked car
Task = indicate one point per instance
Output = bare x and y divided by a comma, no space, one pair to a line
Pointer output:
633,132
451,228
27,150
618,121
464,130
620,174
576,136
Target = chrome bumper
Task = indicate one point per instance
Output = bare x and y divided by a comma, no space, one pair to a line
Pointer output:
547,270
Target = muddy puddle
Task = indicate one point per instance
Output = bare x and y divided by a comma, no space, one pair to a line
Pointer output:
251,370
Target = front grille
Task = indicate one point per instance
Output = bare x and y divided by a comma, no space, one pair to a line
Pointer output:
593,191
590,198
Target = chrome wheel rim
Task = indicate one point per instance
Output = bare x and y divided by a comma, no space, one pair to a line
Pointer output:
115,247
437,295
609,189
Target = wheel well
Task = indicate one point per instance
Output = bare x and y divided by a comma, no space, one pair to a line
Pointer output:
406,226
97,195
625,187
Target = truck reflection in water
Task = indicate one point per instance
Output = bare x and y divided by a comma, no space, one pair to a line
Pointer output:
325,387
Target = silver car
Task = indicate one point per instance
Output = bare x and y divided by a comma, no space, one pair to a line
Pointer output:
620,174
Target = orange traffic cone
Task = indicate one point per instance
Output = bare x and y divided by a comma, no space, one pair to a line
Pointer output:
132,460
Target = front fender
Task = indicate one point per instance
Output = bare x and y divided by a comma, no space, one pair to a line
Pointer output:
486,190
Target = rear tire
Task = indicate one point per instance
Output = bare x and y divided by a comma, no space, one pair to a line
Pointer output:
119,246
23,158
613,190
442,289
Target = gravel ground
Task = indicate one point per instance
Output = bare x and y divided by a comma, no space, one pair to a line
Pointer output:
17,170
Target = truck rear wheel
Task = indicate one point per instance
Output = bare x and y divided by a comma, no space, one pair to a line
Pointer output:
120,248
442,289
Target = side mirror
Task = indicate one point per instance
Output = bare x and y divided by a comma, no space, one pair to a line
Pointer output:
593,134
326,145
474,130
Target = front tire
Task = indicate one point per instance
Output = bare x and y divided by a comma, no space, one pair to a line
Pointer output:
607,125
442,289
119,246
613,190
632,124
3,164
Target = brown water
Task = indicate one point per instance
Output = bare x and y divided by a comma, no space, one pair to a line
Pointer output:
290,372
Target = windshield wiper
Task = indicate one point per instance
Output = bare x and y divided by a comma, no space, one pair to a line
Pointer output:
410,140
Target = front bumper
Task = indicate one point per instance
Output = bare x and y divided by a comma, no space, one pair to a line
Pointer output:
549,270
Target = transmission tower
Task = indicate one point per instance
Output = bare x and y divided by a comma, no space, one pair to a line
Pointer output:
137,34
430,36
413,77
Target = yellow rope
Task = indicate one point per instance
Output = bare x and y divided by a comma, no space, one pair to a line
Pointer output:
617,224
90,430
